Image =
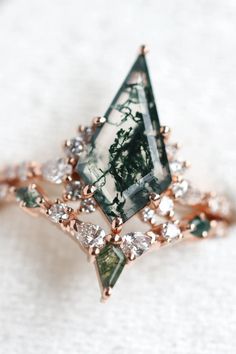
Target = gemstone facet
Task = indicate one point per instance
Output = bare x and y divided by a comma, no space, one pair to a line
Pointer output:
166,205
126,160
28,196
56,171
74,147
90,235
73,190
88,205
110,263
135,243
170,231
58,212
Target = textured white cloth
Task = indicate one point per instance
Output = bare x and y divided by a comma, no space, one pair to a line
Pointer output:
61,62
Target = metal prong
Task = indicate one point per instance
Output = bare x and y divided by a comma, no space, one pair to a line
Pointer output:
106,293
154,199
98,121
117,225
165,131
143,49
88,191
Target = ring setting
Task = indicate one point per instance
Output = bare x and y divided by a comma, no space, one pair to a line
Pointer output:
125,166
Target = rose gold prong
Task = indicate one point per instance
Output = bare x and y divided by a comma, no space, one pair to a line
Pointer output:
114,238
131,257
143,49
98,121
154,199
32,187
152,235
71,161
88,191
177,178
68,179
165,131
106,293
93,251
117,225
204,234
186,164
81,128
67,143
40,201
171,214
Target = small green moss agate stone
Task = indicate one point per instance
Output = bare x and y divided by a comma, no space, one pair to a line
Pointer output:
28,196
126,159
201,225
110,263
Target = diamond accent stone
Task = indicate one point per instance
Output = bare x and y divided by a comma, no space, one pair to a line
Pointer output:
56,171
177,167
74,147
88,205
135,243
3,190
86,134
166,206
170,231
147,214
180,188
73,190
126,159
90,235
58,212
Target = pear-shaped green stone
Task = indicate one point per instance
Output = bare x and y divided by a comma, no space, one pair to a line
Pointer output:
110,263
28,196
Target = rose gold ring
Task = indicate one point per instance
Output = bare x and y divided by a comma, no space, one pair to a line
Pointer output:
126,166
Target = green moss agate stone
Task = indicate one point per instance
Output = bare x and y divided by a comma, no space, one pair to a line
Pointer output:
200,225
28,196
110,263
126,159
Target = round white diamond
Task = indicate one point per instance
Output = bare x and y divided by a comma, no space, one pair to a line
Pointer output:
73,190
170,231
147,214
57,170
135,243
58,212
88,205
180,188
166,205
74,147
90,235
3,190
86,134
177,167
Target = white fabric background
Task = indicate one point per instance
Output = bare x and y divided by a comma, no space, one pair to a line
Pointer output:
61,62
